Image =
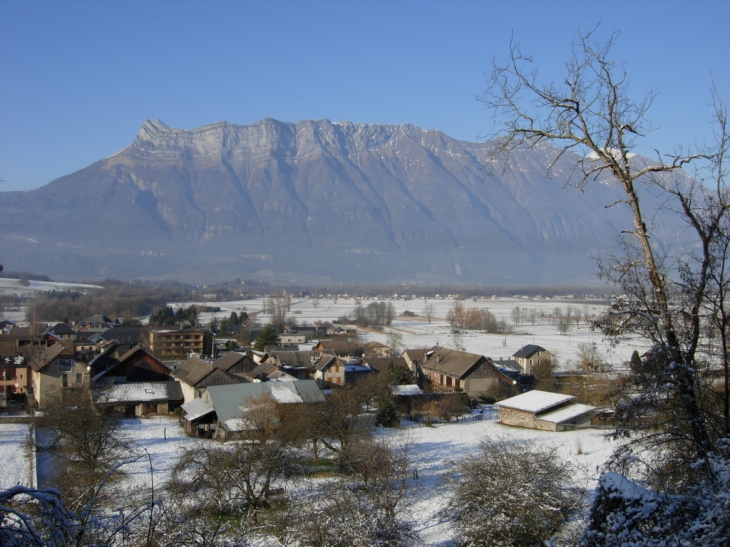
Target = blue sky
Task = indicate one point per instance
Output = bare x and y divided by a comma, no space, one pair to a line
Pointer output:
77,78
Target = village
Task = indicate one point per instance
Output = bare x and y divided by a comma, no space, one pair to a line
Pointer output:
170,393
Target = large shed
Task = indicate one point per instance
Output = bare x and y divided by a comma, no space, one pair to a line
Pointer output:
229,402
544,410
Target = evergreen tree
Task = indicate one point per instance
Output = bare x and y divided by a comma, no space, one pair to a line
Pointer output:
267,337
387,415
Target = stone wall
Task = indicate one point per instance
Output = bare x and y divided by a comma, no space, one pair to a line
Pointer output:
519,418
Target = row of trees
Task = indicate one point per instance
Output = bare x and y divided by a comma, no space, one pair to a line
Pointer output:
117,299
169,316
476,319
374,314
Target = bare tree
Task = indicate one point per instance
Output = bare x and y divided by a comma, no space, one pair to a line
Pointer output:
428,311
395,342
593,120
84,435
367,512
238,476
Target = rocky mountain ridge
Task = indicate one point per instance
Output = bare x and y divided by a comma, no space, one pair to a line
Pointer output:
316,202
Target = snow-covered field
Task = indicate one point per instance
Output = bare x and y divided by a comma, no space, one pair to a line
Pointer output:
432,452
417,332
15,456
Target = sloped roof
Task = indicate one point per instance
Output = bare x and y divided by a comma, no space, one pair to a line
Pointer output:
196,409
325,361
131,335
293,358
193,371
408,390
47,355
526,351
381,364
535,401
130,353
61,329
97,320
375,345
142,392
452,362
261,371
229,360
340,346
415,354
567,413
229,400
508,364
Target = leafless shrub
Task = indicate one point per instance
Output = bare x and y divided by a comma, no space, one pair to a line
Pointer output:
512,493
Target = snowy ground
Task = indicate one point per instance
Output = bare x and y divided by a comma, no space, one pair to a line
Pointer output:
417,332
16,465
432,450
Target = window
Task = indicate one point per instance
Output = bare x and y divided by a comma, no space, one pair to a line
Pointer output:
64,365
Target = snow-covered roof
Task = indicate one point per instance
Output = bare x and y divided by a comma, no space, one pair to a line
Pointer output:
535,401
139,392
283,393
567,413
407,390
196,408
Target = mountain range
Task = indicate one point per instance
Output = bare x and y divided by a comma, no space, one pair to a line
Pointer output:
318,202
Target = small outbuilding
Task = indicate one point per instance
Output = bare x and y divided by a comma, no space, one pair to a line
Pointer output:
544,410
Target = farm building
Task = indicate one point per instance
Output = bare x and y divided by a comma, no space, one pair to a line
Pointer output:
544,410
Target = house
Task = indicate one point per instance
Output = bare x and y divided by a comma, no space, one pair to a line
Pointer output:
544,410
415,357
85,346
454,370
55,368
342,348
173,342
531,356
222,408
356,371
292,338
261,373
235,363
376,349
384,365
14,375
295,363
195,375
129,335
136,364
141,398
328,369
61,331
97,323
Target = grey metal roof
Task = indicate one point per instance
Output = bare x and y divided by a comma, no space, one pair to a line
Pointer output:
228,399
